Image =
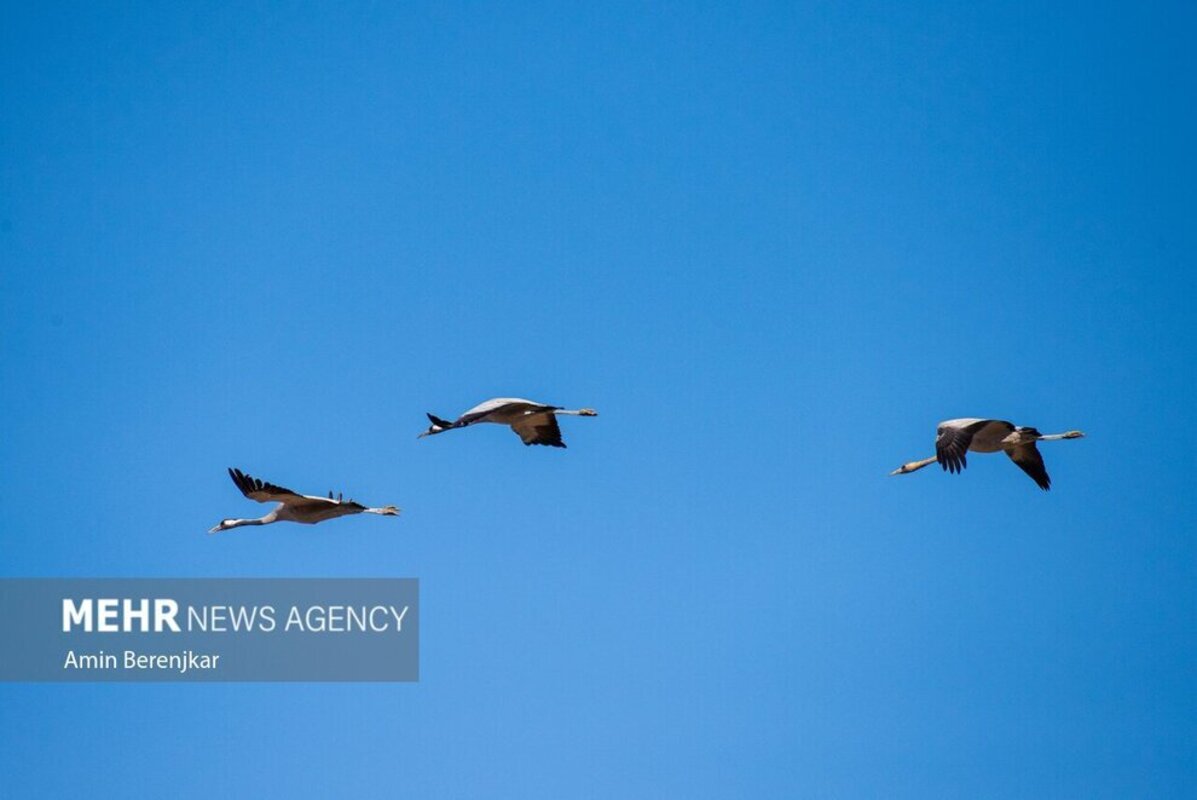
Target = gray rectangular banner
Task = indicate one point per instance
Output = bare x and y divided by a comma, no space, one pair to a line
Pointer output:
209,629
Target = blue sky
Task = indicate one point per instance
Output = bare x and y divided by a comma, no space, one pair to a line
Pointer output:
773,245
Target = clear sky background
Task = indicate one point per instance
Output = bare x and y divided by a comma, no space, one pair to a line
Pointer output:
773,245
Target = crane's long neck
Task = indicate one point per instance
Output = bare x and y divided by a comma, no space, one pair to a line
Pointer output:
914,465
227,524
237,523
576,412
1051,437
263,520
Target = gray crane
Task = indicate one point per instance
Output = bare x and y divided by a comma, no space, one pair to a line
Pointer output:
536,423
955,437
293,507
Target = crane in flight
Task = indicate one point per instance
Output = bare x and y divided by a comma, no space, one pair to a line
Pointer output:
536,423
293,507
955,437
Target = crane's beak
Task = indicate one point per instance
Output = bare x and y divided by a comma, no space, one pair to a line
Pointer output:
899,471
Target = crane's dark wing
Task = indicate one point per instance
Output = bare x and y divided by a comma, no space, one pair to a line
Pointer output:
1030,461
539,429
264,492
951,444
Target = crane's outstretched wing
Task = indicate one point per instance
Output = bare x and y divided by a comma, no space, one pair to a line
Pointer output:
260,490
539,429
951,444
265,492
1030,461
503,410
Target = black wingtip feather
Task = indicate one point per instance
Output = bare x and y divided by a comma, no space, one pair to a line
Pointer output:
952,464
240,480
